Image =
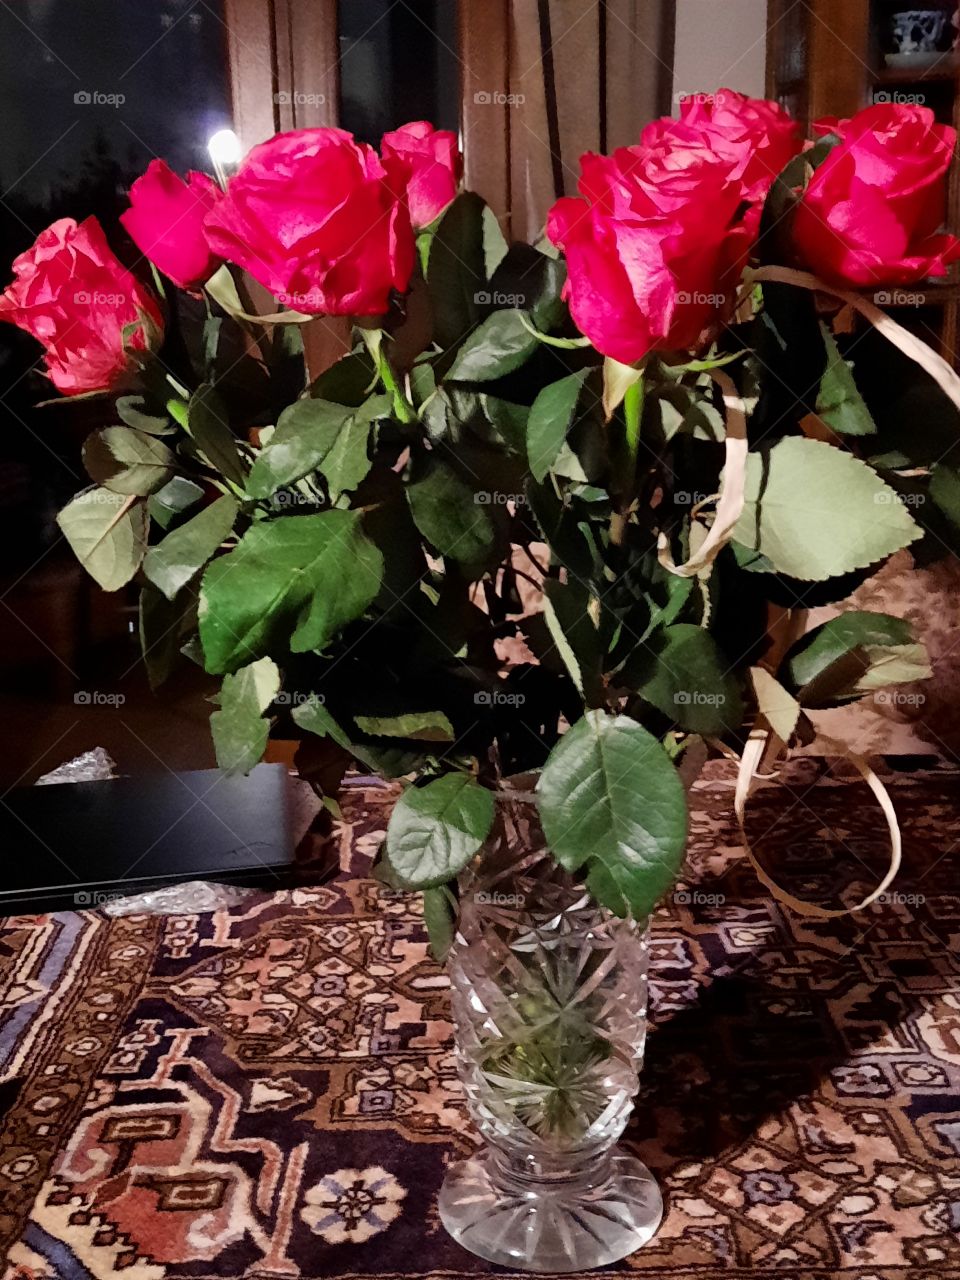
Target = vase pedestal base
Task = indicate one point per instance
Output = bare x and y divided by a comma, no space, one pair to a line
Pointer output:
556,1225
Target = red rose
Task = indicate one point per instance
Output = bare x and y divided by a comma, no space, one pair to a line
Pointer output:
873,209
165,221
74,296
433,165
758,138
317,219
653,256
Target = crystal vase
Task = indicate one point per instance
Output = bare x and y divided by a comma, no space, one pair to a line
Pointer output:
549,995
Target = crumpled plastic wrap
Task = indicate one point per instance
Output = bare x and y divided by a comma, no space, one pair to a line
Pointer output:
92,766
180,899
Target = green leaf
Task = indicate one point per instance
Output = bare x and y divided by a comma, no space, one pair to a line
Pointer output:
313,717
494,242
135,412
176,496
508,420
565,535
290,583
348,381
240,730
208,424
840,404
689,681
612,802
164,624
127,461
567,609
500,345
436,829
816,512
424,726
779,708
108,535
533,281
182,554
945,491
851,655
440,917
306,433
446,511
456,271
348,461
551,417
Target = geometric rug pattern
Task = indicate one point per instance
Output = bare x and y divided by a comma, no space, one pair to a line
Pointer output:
268,1091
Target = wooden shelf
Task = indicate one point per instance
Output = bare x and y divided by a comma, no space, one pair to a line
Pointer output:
947,68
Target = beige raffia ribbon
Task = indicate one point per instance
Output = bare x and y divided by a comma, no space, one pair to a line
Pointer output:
945,377
747,777
731,499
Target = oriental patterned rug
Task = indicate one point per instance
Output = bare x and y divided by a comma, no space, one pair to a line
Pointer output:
269,1091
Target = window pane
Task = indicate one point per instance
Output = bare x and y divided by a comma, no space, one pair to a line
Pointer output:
398,62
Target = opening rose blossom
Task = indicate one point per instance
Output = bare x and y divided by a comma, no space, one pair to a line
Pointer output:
73,295
758,137
433,165
654,248
874,208
320,221
165,221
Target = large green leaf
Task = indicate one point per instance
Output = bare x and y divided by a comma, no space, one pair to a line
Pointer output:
136,412
840,404
173,562
127,461
689,680
456,270
436,829
550,419
290,583
612,802
446,511
306,432
816,512
210,428
851,655
108,535
240,730
501,344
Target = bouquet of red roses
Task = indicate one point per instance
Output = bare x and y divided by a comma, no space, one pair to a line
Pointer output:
536,518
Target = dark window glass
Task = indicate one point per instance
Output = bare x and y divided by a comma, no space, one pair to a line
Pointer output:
398,62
